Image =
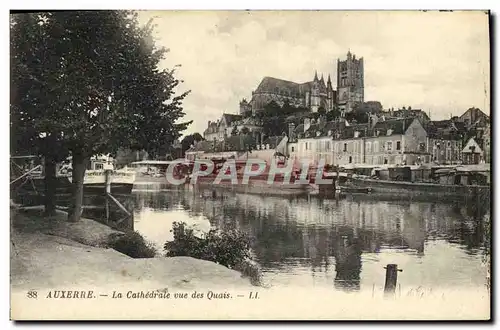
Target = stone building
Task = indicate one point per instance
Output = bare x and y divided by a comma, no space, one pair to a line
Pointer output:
444,142
472,153
218,130
348,145
397,141
312,95
474,117
350,83
315,141
405,112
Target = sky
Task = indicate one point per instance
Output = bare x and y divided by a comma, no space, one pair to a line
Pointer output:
435,61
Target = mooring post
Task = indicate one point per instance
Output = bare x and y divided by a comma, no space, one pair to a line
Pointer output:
391,279
108,191
131,217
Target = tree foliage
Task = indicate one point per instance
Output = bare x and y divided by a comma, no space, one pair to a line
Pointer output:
189,140
275,117
245,130
333,114
87,83
228,248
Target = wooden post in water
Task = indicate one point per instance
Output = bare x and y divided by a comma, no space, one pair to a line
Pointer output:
108,191
391,279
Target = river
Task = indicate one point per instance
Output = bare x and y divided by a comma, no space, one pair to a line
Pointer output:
335,244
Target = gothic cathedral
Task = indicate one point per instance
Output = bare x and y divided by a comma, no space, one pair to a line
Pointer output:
313,95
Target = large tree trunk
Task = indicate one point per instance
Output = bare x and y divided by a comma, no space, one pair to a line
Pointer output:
50,186
79,162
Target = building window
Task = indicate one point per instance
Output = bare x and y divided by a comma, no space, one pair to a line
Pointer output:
368,147
375,146
449,144
350,159
398,145
306,145
345,147
293,149
336,147
389,145
327,146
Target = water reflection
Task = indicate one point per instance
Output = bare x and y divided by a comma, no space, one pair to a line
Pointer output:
344,244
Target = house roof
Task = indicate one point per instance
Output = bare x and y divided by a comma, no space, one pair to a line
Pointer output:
280,86
398,126
229,117
443,130
473,142
273,141
348,131
321,129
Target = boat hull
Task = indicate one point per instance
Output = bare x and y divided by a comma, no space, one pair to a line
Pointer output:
420,189
255,185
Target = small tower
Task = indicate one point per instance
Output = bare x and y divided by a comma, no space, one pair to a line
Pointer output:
330,94
315,93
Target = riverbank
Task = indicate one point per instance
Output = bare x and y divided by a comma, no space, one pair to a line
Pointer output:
48,253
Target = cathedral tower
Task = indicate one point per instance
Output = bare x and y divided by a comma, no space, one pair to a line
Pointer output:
350,83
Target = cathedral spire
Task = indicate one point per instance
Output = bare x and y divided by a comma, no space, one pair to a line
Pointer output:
329,80
322,80
316,75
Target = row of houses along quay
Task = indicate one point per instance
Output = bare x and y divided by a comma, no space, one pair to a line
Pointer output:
313,121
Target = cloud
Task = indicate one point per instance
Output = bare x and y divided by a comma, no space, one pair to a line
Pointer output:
432,60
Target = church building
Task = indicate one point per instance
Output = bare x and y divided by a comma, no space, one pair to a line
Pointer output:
313,95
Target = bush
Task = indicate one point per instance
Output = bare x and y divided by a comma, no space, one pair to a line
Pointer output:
133,245
228,248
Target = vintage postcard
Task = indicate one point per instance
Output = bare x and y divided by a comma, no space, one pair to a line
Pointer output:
250,165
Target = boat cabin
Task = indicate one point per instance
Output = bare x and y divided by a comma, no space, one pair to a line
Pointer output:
464,175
